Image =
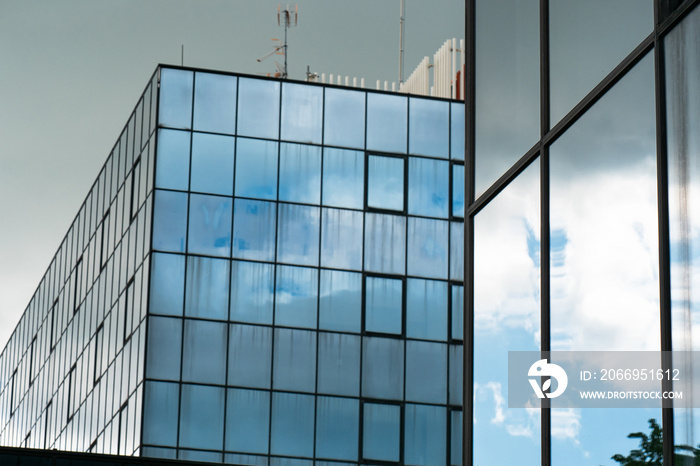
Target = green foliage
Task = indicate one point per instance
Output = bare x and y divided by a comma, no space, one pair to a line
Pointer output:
650,451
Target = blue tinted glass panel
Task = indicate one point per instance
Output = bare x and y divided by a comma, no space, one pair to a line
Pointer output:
387,122
302,112
426,435
296,295
456,251
426,372
383,305
202,417
429,127
210,225
429,181
426,309
343,178
250,460
458,190
381,432
173,159
256,168
167,284
341,239
292,424
456,369
385,187
340,301
300,173
254,230
247,420
175,106
250,356
170,221
427,246
297,234
207,288
258,108
456,438
457,312
382,368
204,352
276,461
154,452
339,364
457,132
344,118
163,354
295,360
212,163
215,103
337,427
160,413
203,456
252,292
385,243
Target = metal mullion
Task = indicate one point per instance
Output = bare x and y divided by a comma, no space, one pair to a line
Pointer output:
675,17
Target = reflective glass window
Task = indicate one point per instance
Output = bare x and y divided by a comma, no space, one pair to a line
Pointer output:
338,364
426,309
294,360
212,163
210,225
385,182
387,126
206,294
340,301
429,182
385,243
170,221
381,432
426,435
252,292
427,243
426,372
252,460
197,455
456,438
254,230
160,408
383,305
154,452
300,173
458,190
297,234
256,168
456,251
429,127
250,356
296,296
343,178
215,103
302,112
341,239
382,368
337,428
167,284
457,314
456,370
292,424
457,131
204,352
202,417
247,420
163,352
344,118
175,106
173,159
258,108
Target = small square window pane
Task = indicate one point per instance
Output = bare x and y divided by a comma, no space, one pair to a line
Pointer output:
298,234
252,292
210,225
341,239
247,420
337,427
343,178
339,364
387,122
344,118
258,108
426,435
300,173
292,424
295,360
202,417
429,182
427,246
385,182
383,305
296,295
340,301
254,229
212,163
385,243
426,309
207,288
173,159
167,284
381,432
170,221
458,190
250,356
301,112
429,127
256,168
382,368
160,413
426,372
215,103
175,107
163,350
204,352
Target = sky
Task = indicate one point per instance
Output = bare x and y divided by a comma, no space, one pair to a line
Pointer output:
71,73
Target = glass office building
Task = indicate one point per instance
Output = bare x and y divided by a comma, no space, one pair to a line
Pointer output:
265,272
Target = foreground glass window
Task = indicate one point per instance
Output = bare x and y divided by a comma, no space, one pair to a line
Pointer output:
383,305
247,421
385,182
428,127
344,118
258,108
256,168
207,288
202,417
212,164
301,112
387,122
254,230
175,107
381,432
215,103
300,173
343,178
252,292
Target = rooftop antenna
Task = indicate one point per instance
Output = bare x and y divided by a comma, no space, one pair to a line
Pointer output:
288,18
401,22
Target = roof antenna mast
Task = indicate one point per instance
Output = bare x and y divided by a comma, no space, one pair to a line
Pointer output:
401,21
289,18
